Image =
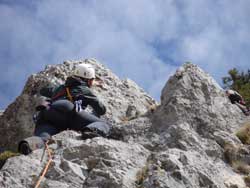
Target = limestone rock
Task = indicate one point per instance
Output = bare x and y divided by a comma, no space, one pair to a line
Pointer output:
177,144
195,98
177,168
190,129
78,163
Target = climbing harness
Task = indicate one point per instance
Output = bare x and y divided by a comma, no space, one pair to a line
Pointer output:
78,106
47,165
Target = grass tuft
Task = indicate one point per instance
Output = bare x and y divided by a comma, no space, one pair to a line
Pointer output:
141,176
241,167
247,180
5,155
244,133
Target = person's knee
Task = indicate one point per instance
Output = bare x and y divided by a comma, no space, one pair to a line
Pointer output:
64,106
90,118
45,131
45,136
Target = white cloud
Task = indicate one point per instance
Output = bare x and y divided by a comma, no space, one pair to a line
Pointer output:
144,40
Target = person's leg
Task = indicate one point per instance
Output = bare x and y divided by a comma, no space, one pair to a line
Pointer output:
63,106
45,131
58,114
90,125
42,133
243,108
81,119
96,129
50,121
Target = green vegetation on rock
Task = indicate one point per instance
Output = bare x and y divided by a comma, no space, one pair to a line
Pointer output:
238,81
244,133
5,155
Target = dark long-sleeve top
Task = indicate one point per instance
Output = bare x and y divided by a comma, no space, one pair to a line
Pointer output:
235,97
79,90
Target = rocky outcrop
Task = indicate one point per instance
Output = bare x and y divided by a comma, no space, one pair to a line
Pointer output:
77,163
187,134
178,144
123,98
194,97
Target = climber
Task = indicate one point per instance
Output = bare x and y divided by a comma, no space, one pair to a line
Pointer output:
63,108
238,100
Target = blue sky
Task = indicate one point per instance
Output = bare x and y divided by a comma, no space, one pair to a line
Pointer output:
145,40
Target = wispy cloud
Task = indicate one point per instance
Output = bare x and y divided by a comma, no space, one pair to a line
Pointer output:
144,40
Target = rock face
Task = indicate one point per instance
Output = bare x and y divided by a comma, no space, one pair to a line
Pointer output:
119,96
91,163
192,96
178,144
190,129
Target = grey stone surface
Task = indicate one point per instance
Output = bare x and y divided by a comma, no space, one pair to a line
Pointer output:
76,163
195,98
177,144
178,168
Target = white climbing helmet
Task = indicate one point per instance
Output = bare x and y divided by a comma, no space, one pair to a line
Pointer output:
230,92
85,71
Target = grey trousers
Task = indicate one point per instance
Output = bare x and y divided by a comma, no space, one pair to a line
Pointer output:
61,115
243,108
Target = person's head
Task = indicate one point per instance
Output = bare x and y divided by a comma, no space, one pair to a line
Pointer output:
85,72
229,92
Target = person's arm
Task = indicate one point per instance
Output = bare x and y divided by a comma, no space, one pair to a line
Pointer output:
47,91
90,99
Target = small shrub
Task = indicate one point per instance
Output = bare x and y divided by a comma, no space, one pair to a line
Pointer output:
244,133
141,176
5,155
241,167
230,152
247,180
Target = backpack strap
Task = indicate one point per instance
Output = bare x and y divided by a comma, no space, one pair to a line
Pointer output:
61,93
69,95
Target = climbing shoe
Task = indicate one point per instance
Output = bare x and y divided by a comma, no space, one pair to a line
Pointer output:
30,144
89,134
24,148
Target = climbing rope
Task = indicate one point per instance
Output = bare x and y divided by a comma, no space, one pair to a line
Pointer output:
47,165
